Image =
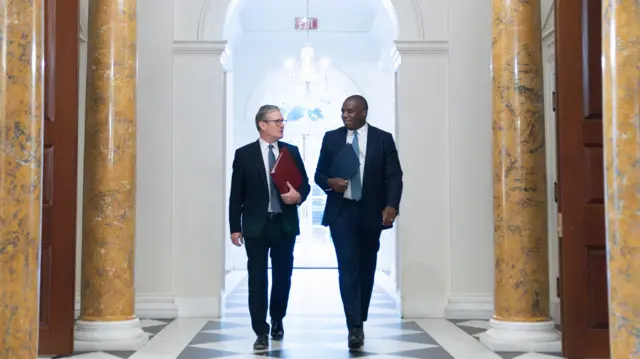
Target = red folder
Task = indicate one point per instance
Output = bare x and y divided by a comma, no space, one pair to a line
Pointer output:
285,170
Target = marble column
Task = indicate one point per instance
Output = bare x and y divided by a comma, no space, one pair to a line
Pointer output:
107,311
521,320
621,89
21,133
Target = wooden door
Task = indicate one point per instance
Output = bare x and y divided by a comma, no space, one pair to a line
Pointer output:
583,266
59,186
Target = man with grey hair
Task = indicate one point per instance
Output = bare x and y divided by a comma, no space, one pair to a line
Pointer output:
266,221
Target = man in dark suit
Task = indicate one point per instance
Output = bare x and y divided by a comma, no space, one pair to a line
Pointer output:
359,208
266,222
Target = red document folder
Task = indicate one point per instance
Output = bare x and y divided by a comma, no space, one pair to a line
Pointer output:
285,170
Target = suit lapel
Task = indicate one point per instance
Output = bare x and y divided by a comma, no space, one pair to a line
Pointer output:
342,138
371,152
262,173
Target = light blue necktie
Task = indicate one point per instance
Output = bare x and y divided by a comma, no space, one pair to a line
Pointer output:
275,199
356,183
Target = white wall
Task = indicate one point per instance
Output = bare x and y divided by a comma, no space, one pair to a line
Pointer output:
471,159
443,133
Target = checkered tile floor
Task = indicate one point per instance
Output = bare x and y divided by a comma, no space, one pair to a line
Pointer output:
314,329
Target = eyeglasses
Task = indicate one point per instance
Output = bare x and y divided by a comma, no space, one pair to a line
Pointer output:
277,122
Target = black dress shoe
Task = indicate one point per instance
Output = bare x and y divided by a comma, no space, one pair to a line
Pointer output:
277,330
261,343
356,338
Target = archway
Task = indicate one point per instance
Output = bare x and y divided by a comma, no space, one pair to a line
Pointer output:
271,51
217,20
420,93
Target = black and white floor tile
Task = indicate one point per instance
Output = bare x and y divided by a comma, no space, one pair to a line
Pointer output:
314,329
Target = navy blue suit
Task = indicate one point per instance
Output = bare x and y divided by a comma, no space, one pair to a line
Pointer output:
356,225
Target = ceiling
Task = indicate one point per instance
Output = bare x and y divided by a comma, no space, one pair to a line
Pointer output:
333,15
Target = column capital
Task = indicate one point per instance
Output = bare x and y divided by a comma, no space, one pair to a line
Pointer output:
211,48
422,47
200,47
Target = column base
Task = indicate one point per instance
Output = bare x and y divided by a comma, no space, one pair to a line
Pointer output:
112,336
522,337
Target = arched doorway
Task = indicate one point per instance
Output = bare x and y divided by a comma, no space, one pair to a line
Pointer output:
420,101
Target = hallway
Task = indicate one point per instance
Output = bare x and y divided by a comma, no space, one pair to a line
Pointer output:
314,322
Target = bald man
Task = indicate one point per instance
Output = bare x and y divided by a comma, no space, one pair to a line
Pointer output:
359,208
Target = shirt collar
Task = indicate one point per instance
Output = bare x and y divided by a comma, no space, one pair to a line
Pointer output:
362,131
265,145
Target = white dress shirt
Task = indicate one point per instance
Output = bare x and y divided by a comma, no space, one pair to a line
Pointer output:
362,146
264,147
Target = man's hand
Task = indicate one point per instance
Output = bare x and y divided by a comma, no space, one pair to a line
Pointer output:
237,239
388,216
291,197
338,184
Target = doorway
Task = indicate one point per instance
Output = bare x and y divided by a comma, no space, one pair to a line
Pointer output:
314,248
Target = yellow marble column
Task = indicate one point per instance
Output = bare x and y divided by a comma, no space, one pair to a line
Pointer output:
108,245
21,131
621,88
521,293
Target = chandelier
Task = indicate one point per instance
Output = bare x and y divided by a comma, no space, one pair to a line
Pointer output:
305,77
305,74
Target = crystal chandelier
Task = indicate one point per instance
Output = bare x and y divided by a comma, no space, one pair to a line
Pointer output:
306,73
305,77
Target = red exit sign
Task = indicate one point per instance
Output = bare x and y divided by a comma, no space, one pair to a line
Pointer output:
306,23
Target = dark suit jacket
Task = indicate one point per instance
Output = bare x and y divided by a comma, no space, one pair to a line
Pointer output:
249,197
382,177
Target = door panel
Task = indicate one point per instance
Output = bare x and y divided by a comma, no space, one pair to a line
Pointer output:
59,179
583,268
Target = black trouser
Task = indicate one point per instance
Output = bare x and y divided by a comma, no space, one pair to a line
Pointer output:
356,246
273,241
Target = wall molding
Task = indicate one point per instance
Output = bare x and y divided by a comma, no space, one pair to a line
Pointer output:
469,306
421,47
148,306
199,47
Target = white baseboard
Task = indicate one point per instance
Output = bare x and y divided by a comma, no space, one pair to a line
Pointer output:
231,281
199,307
555,311
469,306
149,306
389,285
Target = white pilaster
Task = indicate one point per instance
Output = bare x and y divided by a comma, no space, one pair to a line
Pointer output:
422,136
199,213
113,336
522,337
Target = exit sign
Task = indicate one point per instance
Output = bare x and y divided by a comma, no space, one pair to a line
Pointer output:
306,23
